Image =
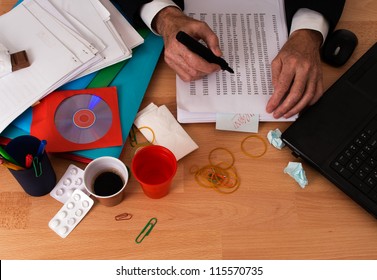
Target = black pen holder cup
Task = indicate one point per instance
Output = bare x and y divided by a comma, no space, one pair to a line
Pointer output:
40,178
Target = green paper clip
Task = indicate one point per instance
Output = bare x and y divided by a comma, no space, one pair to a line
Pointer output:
146,230
37,165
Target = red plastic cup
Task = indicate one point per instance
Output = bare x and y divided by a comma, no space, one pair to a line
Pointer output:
154,167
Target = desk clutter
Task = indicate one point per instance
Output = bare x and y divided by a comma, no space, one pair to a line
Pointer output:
153,166
64,40
75,81
122,60
84,108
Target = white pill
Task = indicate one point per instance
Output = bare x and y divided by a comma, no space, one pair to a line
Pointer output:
63,214
55,223
78,181
85,203
79,212
59,192
63,230
71,221
70,205
74,171
67,182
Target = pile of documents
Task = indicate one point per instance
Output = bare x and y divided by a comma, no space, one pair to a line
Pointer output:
64,40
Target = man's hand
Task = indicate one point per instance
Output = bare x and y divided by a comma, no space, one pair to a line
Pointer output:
186,64
296,74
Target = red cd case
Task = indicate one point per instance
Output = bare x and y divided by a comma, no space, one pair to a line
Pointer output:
81,119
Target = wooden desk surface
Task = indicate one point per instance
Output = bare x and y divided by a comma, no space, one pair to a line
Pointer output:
268,217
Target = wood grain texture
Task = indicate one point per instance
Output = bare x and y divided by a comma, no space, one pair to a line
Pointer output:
268,217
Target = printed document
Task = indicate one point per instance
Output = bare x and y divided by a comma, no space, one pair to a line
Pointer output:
251,33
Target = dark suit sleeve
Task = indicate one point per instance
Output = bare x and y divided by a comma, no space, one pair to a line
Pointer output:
330,9
131,9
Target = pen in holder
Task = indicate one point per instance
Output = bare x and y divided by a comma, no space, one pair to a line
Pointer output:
35,173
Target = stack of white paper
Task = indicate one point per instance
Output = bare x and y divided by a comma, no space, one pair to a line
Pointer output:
64,40
92,20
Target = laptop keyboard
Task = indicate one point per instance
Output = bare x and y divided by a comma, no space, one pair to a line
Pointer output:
358,161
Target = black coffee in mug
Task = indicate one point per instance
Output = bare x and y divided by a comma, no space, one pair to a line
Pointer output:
107,183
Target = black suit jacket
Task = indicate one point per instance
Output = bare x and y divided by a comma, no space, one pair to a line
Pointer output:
330,9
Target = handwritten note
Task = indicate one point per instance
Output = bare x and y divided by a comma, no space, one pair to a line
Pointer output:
237,122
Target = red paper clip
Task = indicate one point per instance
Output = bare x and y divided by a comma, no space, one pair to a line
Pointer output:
123,216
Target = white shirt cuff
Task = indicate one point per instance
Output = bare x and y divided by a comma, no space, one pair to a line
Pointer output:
149,11
309,19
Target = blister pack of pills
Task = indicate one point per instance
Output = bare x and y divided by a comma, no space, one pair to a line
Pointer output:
72,212
72,179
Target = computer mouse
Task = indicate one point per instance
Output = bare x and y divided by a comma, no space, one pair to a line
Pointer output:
339,47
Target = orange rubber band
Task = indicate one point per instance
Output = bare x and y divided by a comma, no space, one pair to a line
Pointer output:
226,150
251,155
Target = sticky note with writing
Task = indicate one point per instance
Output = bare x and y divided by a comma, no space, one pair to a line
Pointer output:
237,122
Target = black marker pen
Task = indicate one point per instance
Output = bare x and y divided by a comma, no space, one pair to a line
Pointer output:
201,50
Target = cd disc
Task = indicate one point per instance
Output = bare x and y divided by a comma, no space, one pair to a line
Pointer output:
83,118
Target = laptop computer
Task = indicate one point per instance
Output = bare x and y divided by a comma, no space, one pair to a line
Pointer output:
338,134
